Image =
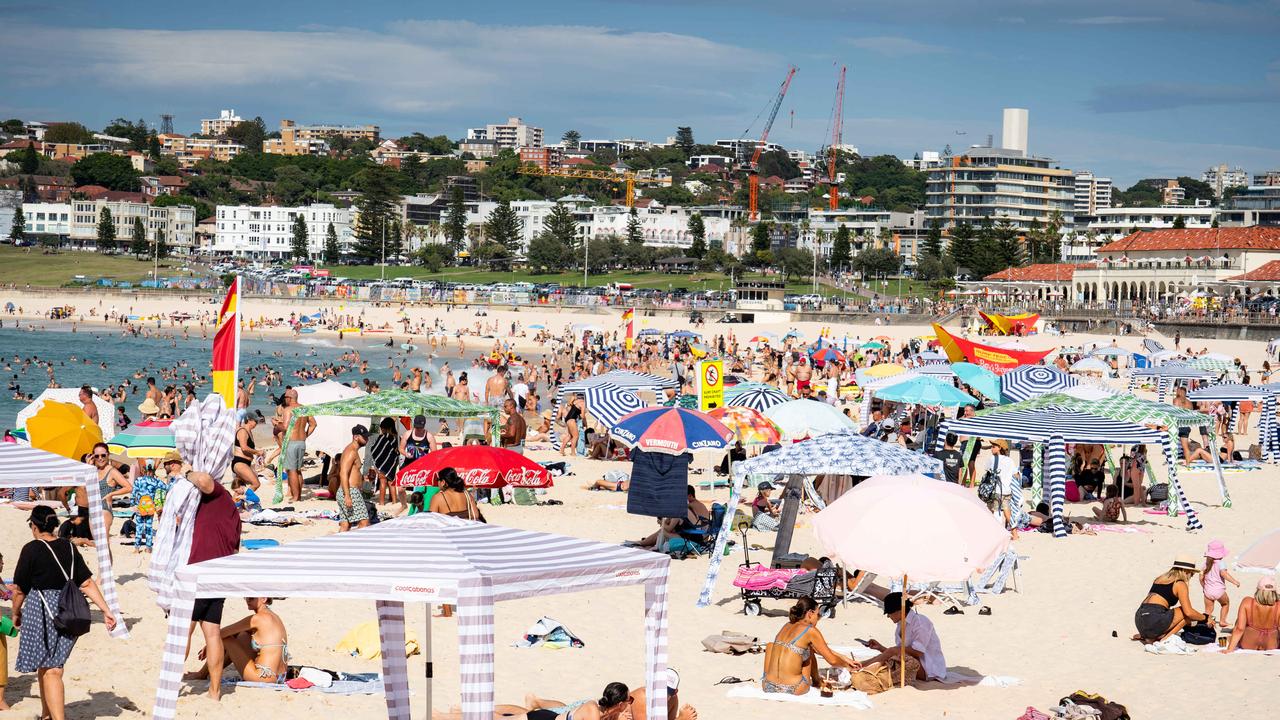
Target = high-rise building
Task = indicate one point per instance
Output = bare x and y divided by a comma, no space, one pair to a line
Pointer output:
1220,177
215,127
1092,193
1004,183
513,134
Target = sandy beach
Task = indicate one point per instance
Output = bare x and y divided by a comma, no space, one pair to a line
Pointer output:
1066,628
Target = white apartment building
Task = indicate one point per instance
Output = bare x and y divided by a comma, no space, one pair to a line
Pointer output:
697,161
924,160
1115,223
664,227
215,127
10,201
1220,177
266,232
178,222
44,219
512,134
1091,193
868,228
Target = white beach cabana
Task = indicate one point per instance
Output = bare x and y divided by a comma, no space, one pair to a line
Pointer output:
432,559
25,466
71,395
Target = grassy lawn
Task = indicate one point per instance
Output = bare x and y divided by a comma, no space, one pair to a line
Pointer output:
30,266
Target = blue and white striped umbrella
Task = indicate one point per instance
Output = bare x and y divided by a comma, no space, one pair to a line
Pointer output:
626,379
608,403
757,396
1028,381
840,453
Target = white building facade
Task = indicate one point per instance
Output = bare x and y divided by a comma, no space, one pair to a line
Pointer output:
45,219
178,222
266,232
513,134
1092,193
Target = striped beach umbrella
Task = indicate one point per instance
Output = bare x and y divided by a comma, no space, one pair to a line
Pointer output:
757,396
608,403
1028,381
674,431
146,439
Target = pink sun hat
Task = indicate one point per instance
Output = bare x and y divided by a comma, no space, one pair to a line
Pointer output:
1216,550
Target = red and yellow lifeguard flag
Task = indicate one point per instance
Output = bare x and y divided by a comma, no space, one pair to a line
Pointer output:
628,317
996,359
1011,324
226,346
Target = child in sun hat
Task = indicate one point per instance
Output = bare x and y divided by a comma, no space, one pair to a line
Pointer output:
1214,581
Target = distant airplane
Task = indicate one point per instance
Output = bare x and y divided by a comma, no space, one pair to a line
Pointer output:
961,132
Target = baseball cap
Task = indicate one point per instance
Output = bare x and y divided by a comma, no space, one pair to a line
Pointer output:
766,485
360,430
419,420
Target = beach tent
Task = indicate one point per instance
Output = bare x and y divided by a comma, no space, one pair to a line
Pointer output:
1029,381
1057,427
871,384
432,559
1236,393
842,453
71,395
332,432
24,466
392,403
1169,375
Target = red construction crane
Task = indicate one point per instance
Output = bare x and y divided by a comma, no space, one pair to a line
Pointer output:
753,170
837,137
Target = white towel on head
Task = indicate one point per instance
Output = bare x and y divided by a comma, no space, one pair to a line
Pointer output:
843,698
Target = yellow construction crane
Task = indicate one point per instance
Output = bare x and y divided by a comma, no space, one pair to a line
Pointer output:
629,178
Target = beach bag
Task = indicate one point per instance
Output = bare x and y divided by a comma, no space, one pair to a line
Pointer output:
989,487
524,496
730,643
1199,634
1107,710
1158,493
72,618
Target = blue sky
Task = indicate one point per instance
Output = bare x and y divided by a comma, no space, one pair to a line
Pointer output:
1130,89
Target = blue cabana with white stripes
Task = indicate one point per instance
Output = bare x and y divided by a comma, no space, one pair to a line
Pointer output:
1056,428
1167,376
1236,393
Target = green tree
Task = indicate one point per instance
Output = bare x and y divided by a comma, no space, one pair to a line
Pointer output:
876,262
932,245
455,221
884,177
697,231
571,138
377,206
249,133
936,269
963,244
138,244
153,147
113,172
299,244
795,263
760,239
684,140
68,132
395,240
841,249
1008,244
503,226
136,133
561,225
332,253
13,126
1194,189
547,253
433,257
635,232
778,162
435,145
1180,223
162,244
18,230
29,161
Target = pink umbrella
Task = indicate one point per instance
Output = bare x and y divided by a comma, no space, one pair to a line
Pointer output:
911,526
1263,555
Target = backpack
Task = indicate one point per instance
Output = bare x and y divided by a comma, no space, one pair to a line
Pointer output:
72,618
989,487
1199,634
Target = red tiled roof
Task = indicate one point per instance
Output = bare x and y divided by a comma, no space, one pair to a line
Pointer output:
1269,272
1233,238
1044,272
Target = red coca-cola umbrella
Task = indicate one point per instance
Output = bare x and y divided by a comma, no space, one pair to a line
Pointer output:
481,466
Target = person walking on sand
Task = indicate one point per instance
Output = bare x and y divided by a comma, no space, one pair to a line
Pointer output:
296,447
352,506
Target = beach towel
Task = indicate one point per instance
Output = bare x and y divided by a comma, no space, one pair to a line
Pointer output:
1172,645
365,641
549,633
658,484
350,684
862,653
759,577
1125,529
843,698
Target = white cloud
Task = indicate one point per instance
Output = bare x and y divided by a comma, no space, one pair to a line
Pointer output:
893,46
410,69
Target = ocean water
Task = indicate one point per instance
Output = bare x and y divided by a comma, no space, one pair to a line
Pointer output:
78,357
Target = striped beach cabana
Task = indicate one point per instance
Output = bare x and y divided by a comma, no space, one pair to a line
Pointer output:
25,466
1055,428
1237,393
432,559
1170,375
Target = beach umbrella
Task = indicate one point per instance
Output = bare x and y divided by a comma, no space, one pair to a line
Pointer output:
1028,381
646,332
793,333
608,403
1204,362
931,356
911,527
145,439
828,354
873,345
926,391
748,425
63,429
761,339
808,418
539,326
699,350
683,334
1262,556
1110,352
1090,364
939,369
978,378
671,430
757,396
481,466
883,370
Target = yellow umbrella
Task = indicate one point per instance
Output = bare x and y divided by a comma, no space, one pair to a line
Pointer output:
63,429
698,349
883,370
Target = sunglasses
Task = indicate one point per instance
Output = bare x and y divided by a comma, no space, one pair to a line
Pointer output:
98,456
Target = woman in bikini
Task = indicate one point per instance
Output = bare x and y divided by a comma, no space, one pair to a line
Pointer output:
1258,620
1168,606
453,499
257,645
111,482
572,415
243,454
790,661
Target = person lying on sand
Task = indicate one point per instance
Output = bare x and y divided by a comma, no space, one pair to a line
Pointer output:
616,702
610,485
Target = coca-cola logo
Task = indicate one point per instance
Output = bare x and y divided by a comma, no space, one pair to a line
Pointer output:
526,477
